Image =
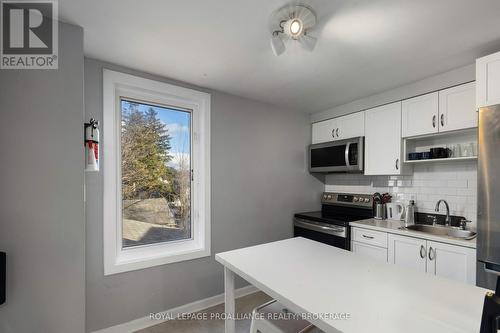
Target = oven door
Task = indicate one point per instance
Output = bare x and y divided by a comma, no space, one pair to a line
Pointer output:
334,235
337,156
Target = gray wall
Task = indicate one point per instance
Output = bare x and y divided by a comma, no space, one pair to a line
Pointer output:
433,83
42,223
259,179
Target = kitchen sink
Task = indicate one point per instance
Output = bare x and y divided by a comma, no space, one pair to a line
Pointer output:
443,231
465,234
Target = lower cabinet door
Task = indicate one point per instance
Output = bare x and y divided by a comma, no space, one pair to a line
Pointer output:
451,261
407,252
374,252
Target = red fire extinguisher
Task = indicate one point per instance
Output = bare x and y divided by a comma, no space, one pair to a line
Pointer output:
92,145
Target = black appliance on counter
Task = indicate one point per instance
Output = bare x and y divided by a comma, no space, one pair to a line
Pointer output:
331,224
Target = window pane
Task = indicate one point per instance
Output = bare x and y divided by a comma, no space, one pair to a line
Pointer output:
156,164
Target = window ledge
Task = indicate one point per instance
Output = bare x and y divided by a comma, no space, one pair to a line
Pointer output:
154,255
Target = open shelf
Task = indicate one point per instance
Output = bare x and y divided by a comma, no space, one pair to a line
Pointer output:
435,160
445,140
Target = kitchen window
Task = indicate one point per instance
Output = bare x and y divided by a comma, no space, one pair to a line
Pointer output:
156,173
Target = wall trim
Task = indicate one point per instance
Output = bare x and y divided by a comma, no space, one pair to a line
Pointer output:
145,322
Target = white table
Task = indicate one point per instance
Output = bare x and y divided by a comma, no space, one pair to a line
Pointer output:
313,278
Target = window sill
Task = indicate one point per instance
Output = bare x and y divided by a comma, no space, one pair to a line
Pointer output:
136,258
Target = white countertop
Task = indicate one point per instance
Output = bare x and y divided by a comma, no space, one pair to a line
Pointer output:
392,227
311,277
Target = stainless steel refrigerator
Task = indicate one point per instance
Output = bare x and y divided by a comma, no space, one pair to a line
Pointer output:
488,197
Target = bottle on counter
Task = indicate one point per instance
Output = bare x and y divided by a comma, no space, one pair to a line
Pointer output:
410,214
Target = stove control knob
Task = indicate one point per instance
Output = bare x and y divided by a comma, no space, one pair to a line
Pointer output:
367,200
329,196
355,199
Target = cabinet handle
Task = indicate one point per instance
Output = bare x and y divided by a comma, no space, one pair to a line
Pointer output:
397,163
442,119
422,252
431,256
434,121
337,132
369,237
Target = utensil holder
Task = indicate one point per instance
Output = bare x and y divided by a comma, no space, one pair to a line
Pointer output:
380,212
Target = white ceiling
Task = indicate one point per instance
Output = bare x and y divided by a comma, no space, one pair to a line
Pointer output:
364,47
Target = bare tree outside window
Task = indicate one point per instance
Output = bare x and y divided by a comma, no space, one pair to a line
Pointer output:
155,173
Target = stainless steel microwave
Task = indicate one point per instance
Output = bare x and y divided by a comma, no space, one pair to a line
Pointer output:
337,156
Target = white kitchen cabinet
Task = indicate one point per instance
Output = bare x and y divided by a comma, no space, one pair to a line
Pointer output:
371,251
407,251
446,110
370,237
383,153
369,243
351,126
420,115
488,80
324,131
451,261
345,127
457,108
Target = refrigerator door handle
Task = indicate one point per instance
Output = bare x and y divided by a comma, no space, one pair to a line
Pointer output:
490,268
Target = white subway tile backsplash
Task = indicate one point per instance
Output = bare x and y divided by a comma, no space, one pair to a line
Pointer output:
472,183
404,183
457,183
454,182
445,190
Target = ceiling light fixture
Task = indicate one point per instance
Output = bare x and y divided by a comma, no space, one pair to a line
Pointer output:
292,22
294,28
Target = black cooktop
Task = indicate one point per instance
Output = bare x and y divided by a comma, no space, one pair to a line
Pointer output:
337,215
319,217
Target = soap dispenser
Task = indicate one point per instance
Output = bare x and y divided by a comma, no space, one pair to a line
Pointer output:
410,214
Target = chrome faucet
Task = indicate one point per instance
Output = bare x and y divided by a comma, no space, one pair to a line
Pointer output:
447,220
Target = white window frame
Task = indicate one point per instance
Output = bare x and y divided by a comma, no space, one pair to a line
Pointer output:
117,86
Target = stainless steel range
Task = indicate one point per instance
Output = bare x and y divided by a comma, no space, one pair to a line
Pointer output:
331,224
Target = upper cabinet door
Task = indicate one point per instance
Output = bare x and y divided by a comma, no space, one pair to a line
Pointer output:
351,126
345,127
488,80
383,140
324,131
451,261
420,115
457,107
